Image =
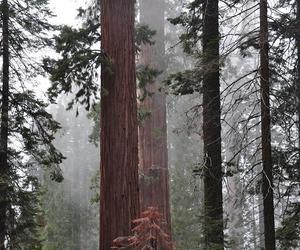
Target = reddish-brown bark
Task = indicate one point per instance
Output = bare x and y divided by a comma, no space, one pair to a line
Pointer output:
267,181
153,151
119,194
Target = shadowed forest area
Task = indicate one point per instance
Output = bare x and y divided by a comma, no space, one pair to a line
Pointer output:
150,124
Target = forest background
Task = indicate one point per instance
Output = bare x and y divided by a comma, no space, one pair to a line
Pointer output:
57,206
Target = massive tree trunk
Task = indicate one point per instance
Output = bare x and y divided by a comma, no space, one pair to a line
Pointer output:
4,124
119,194
153,152
213,198
267,180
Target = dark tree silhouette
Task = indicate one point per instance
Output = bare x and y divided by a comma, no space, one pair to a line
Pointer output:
267,180
4,123
213,198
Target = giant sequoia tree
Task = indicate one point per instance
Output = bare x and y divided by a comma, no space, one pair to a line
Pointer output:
77,70
153,152
119,196
78,66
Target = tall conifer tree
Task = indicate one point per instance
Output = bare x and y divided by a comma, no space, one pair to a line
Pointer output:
27,130
297,35
202,24
153,151
119,196
213,198
267,180
4,124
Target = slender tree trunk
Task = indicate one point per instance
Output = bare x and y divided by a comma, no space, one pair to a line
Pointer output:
259,172
234,205
119,194
76,189
267,184
297,33
4,124
153,151
213,197
254,227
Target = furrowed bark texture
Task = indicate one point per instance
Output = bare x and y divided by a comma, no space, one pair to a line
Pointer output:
4,124
119,197
153,151
267,184
213,197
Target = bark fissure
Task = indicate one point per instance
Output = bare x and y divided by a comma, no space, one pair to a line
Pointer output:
119,194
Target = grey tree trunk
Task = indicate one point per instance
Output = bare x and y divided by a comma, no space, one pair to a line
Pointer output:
234,204
298,67
4,124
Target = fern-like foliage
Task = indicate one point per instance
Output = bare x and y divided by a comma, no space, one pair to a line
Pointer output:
148,233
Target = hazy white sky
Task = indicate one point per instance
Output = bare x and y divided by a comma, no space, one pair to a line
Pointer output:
66,10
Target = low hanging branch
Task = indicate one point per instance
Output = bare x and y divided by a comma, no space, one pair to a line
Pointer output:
147,233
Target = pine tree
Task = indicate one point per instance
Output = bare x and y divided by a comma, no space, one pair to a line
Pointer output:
205,28
27,129
297,38
285,71
4,125
267,180
213,199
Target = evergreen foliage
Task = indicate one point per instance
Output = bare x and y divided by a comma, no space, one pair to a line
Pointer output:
51,217
285,118
31,128
77,70
147,232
